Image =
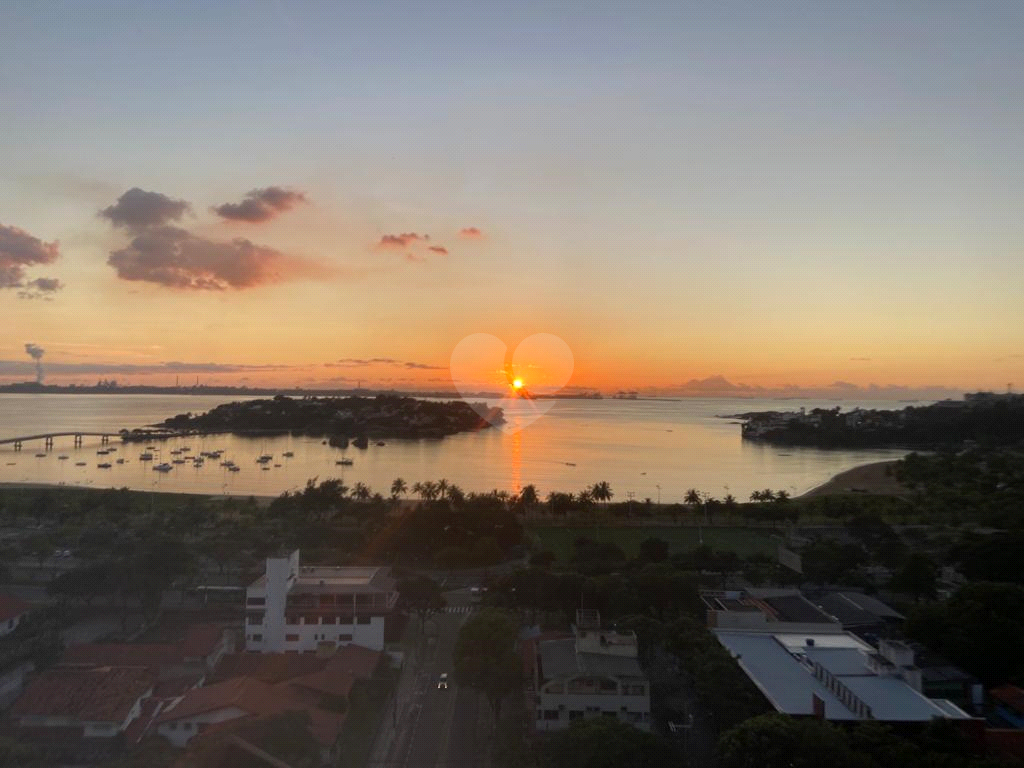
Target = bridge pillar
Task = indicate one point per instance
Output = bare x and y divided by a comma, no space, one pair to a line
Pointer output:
17,445
48,443
78,441
105,439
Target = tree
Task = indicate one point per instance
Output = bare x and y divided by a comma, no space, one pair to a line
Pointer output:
399,488
602,491
361,491
604,742
485,657
779,741
528,495
421,595
654,550
918,577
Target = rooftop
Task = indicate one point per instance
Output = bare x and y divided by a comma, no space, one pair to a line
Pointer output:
11,607
558,658
781,665
145,655
102,695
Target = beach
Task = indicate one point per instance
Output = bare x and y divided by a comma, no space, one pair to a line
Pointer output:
867,478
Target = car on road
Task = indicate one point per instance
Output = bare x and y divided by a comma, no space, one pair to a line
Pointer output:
442,682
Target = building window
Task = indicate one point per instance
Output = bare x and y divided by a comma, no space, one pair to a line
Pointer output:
575,714
550,714
363,620
257,638
291,638
256,601
345,638
256,619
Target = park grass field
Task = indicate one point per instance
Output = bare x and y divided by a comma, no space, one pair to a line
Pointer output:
742,541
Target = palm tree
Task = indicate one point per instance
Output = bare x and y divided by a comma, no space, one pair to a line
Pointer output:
456,495
419,490
602,491
782,495
755,495
429,490
729,502
767,495
362,491
442,488
398,488
528,495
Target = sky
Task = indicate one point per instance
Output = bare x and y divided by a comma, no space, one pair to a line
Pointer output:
784,194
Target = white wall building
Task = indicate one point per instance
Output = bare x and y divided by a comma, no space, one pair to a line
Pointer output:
595,673
308,608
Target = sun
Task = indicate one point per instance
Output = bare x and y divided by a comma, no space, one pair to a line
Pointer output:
517,384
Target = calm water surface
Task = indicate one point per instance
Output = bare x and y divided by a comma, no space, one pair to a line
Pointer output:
635,445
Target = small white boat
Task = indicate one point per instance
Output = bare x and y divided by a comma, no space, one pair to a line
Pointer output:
265,458
40,455
79,463
345,462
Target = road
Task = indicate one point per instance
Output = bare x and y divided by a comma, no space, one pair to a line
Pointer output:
435,727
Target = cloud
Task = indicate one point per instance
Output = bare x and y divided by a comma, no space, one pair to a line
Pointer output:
137,209
438,249
21,367
40,288
19,249
357,362
415,257
471,233
403,240
174,257
260,205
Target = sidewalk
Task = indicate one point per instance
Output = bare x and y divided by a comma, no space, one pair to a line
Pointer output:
393,718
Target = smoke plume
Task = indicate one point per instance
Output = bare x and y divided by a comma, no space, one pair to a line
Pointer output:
36,353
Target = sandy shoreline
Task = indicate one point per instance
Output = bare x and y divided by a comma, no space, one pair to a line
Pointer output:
867,478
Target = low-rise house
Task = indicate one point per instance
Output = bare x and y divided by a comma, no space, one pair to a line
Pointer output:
1008,701
63,704
593,673
12,611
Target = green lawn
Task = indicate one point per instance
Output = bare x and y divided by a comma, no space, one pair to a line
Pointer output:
742,541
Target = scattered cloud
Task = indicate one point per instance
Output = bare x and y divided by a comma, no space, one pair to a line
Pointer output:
471,233
415,257
403,240
357,362
40,288
719,386
438,249
174,257
24,367
19,249
260,205
138,209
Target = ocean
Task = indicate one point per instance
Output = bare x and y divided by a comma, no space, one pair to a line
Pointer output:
653,449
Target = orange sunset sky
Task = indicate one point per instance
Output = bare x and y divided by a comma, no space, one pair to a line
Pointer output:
320,195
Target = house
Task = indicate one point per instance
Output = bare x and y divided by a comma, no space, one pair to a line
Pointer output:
860,613
835,676
97,703
1008,701
12,612
295,608
592,673
263,685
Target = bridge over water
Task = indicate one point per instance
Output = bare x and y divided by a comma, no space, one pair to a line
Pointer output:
48,438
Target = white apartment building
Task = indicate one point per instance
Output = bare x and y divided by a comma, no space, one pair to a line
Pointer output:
296,608
595,673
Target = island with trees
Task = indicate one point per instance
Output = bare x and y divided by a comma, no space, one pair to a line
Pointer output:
983,417
336,418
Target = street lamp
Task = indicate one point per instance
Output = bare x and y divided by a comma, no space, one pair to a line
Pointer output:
659,494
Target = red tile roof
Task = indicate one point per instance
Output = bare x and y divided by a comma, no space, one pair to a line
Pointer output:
89,695
148,655
201,640
269,667
361,661
11,607
1010,695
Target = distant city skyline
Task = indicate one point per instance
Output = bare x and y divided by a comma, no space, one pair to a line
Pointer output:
808,196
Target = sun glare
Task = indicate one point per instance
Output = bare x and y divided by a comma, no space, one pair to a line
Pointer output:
517,384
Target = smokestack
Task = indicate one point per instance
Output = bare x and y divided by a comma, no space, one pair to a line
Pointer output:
36,353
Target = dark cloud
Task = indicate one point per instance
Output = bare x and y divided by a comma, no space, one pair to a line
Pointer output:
19,249
137,209
176,258
358,362
471,232
260,205
40,288
438,249
403,240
